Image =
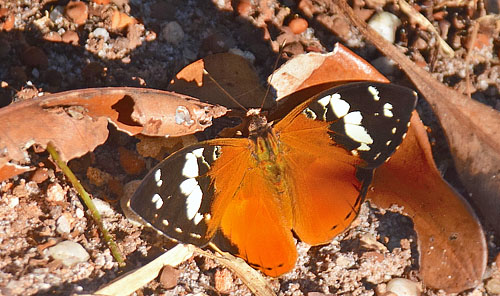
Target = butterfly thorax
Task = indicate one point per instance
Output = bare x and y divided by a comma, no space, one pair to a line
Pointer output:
266,153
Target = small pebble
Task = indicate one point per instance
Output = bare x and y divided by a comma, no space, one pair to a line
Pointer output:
173,33
403,287
101,2
121,20
223,281
40,175
8,20
68,252
244,8
56,15
385,24
52,37
55,193
13,202
298,25
70,37
79,213
103,207
493,286
101,33
77,12
63,225
169,277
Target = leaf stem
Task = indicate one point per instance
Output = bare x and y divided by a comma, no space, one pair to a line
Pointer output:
88,202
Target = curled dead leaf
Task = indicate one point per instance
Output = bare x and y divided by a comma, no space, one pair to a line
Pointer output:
76,121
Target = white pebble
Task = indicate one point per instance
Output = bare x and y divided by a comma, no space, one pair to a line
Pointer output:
385,23
102,33
55,193
13,202
79,213
103,207
63,225
173,33
68,252
403,287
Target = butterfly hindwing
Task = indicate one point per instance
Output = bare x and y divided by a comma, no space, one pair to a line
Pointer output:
176,196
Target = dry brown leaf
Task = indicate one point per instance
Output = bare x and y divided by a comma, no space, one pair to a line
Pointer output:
76,121
232,72
451,241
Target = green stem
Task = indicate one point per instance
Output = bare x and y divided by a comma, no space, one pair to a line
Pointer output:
88,202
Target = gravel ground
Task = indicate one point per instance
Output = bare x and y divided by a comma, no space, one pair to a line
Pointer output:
52,46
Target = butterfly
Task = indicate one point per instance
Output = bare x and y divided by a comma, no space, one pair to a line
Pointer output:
303,176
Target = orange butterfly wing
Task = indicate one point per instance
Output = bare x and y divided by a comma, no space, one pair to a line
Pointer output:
249,211
326,193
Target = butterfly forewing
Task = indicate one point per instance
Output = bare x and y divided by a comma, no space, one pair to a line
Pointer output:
367,118
176,196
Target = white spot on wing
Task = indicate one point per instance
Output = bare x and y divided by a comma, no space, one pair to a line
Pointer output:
165,222
159,183
178,230
374,91
353,118
324,101
190,169
198,152
157,200
393,130
387,110
358,133
193,202
158,175
195,235
197,218
187,186
339,106
388,143
363,147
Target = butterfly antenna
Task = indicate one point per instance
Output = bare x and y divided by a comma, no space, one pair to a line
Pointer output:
224,91
268,89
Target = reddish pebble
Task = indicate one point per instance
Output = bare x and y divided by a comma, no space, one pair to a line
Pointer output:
298,25
132,163
55,193
482,40
169,277
70,37
6,20
244,8
52,37
77,12
121,20
223,281
40,175
35,57
101,2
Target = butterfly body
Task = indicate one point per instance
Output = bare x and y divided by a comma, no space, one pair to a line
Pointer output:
299,174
